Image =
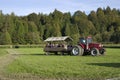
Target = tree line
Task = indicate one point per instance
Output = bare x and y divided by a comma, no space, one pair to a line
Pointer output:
103,25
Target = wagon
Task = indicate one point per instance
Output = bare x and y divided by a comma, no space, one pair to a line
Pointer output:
58,44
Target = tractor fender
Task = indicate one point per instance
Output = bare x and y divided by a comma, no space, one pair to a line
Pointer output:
82,46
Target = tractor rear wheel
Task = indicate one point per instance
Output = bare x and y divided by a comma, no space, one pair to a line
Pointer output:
95,52
77,50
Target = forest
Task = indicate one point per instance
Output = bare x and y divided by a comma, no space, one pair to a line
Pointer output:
103,25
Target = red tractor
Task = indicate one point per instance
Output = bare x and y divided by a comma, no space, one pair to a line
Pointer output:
85,46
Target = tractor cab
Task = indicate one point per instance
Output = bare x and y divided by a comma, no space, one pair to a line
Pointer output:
85,41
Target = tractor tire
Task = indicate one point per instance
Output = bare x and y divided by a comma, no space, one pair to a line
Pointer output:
56,53
77,50
102,51
95,52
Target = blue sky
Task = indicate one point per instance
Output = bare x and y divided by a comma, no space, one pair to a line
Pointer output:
25,7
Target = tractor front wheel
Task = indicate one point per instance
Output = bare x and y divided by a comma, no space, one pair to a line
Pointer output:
94,52
77,50
102,51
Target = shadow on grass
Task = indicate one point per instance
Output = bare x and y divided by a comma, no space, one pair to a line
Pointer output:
38,54
115,65
35,54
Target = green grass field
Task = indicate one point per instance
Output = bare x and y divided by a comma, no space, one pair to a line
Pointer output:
32,61
3,52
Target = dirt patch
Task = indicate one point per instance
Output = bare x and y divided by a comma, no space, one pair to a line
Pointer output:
9,58
5,60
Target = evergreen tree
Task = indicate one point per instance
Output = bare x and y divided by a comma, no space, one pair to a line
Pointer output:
75,33
41,30
33,17
115,37
67,29
93,18
103,24
101,20
32,27
56,30
19,32
5,38
32,36
47,31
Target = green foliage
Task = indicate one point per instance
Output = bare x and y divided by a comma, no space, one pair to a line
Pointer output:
116,37
103,25
75,33
5,38
67,29
19,32
32,38
56,30
33,17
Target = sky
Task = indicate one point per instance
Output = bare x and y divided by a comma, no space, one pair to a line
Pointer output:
25,7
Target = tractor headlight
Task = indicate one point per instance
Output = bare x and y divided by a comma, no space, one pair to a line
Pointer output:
100,45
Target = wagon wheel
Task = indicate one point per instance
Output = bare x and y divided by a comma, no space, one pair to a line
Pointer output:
56,53
47,53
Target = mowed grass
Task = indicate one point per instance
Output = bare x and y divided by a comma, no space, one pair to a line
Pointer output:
3,52
33,61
